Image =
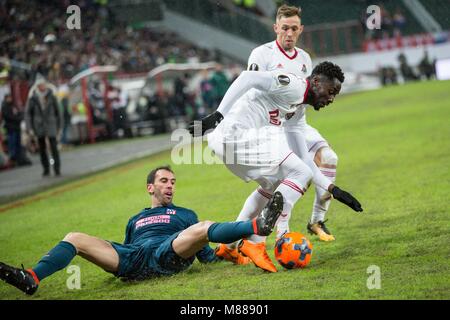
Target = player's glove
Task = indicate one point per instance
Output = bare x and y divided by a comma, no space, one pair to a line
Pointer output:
198,128
346,198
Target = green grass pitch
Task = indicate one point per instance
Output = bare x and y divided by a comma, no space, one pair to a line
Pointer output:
393,148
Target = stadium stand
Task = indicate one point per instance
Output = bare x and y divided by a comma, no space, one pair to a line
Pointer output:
230,19
35,39
352,10
34,33
439,9
325,33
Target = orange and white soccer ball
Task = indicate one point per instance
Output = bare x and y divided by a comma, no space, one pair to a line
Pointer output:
293,250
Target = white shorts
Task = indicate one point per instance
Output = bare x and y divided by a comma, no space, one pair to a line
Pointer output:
256,154
250,154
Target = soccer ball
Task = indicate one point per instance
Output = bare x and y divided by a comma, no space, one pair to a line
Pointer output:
293,250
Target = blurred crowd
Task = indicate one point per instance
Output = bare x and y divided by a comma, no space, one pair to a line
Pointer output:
191,97
34,34
425,70
36,43
393,23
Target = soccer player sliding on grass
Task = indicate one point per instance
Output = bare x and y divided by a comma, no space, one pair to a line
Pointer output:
161,240
258,136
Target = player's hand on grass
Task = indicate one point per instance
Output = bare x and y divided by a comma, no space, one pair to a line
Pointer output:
346,198
198,128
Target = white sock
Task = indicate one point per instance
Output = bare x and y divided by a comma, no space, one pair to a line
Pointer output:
297,177
283,221
292,192
254,204
323,197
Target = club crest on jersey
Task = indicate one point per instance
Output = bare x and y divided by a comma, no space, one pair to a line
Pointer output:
280,66
253,67
283,80
171,211
289,115
304,70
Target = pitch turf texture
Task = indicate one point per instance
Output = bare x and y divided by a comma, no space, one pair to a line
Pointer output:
393,147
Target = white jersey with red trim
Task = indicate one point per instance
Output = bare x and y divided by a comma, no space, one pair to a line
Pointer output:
252,140
282,100
271,56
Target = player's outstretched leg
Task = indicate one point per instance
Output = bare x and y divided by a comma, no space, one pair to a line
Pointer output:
253,206
19,278
95,250
28,280
257,251
194,238
229,251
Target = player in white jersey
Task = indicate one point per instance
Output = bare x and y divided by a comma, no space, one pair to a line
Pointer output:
282,54
258,136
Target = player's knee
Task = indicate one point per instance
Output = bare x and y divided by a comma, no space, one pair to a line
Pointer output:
305,174
205,225
328,157
75,238
296,169
201,229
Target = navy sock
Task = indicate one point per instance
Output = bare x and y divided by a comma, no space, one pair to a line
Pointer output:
228,232
56,259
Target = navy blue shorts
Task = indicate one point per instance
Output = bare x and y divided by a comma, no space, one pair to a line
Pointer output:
149,259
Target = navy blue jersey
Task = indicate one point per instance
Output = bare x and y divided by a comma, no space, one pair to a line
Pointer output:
157,224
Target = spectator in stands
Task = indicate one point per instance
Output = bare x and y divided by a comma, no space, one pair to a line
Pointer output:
99,114
386,23
220,84
180,91
119,107
206,90
34,32
388,76
13,117
67,118
426,67
399,22
43,120
157,112
406,70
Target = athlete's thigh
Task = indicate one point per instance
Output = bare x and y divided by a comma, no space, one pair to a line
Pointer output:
191,240
95,250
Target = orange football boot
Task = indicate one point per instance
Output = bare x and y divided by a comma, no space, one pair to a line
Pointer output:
258,254
231,255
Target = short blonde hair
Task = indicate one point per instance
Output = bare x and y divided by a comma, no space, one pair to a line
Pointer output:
288,11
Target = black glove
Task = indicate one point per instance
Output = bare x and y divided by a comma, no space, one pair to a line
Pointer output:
346,198
209,122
